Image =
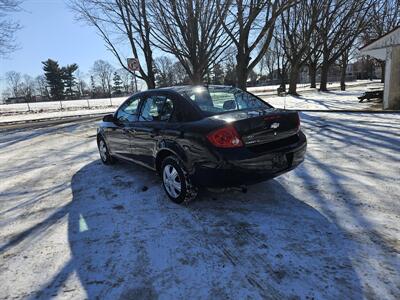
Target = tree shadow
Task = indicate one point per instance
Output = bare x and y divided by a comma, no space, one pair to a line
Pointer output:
128,241
10,137
332,100
356,175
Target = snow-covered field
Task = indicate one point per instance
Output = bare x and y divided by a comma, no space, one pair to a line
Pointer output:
55,114
57,105
310,99
72,228
50,110
306,87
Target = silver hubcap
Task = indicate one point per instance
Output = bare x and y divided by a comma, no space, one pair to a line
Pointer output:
103,150
171,181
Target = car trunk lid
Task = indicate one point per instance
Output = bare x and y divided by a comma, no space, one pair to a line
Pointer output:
262,126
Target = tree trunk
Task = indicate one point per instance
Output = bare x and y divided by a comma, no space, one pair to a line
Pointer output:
150,76
282,78
196,77
324,77
293,79
241,77
150,80
343,70
242,70
312,71
343,77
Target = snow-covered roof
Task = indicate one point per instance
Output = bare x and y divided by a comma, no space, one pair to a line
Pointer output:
378,47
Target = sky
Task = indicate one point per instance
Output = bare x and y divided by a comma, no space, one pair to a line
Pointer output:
50,31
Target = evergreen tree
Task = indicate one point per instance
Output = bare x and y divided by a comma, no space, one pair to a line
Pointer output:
117,84
54,78
69,79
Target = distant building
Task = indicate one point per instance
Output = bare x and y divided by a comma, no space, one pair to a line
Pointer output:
12,100
365,69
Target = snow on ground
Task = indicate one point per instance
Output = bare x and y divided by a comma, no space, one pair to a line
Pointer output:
55,114
72,228
50,110
57,105
332,100
310,99
306,86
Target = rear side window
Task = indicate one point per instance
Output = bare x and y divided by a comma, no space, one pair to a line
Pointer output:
216,100
128,111
156,108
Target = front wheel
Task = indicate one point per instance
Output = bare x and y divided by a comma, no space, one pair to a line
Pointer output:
176,181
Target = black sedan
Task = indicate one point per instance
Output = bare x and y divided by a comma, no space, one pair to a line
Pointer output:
203,136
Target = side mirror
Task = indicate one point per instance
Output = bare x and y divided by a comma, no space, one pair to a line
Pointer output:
109,118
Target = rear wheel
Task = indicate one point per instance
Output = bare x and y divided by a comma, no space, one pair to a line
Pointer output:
176,181
105,156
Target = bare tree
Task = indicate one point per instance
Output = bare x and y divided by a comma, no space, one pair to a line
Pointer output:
348,55
180,75
42,86
282,62
103,71
299,23
81,83
229,66
383,17
8,27
341,24
14,82
250,26
127,80
164,71
121,20
269,61
5,94
191,30
314,57
28,87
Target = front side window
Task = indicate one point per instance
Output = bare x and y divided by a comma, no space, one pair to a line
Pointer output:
215,100
156,108
128,111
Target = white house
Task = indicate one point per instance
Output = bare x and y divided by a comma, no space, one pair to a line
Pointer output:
387,48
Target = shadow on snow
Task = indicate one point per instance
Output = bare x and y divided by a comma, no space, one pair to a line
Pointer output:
131,243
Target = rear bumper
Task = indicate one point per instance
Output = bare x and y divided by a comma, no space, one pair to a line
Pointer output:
249,168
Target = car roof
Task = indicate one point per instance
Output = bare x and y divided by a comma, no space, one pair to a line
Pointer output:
178,88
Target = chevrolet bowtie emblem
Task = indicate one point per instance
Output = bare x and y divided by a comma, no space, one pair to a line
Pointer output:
274,125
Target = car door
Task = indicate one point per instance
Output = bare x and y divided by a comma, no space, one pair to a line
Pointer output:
119,136
155,111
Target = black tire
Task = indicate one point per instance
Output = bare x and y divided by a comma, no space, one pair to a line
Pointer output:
105,157
187,191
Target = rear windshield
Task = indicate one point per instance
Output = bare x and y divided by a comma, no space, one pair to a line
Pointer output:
214,100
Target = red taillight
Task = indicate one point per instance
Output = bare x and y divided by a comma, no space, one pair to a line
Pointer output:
226,137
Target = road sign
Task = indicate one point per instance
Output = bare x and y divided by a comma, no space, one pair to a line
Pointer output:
133,64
